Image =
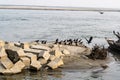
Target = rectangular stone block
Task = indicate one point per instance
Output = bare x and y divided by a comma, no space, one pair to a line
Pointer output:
32,51
25,45
2,68
6,62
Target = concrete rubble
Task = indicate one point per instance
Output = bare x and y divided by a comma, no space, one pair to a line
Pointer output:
14,57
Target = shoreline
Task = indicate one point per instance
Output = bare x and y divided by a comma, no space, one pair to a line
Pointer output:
22,7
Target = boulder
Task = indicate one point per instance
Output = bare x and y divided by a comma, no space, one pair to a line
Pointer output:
42,61
35,65
17,44
40,47
2,52
55,63
44,54
6,62
26,61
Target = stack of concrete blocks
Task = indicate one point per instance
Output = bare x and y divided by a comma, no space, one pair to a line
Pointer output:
14,57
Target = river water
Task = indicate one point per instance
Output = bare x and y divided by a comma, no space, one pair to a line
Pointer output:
29,25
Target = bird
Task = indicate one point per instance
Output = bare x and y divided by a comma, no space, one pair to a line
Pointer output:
90,40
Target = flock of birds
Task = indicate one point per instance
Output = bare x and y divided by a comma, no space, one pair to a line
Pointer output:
71,42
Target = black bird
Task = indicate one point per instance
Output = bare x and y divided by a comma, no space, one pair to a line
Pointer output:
36,41
56,41
90,40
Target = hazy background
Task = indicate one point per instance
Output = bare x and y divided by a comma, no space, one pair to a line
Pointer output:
68,3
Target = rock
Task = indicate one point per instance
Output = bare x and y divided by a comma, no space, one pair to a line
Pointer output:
55,63
66,52
2,43
2,52
25,45
42,61
26,61
44,54
40,47
35,65
6,62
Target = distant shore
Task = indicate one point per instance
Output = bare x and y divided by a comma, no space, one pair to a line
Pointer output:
23,7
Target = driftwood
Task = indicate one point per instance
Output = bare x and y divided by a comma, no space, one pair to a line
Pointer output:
98,53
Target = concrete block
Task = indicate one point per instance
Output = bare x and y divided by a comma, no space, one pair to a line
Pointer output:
26,61
6,62
2,68
2,43
58,53
32,56
25,45
55,63
35,65
66,52
2,52
18,66
44,54
32,51
52,57
42,61
40,47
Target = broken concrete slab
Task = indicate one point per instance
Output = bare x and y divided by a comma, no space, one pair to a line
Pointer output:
26,61
55,63
6,62
58,53
44,54
2,52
